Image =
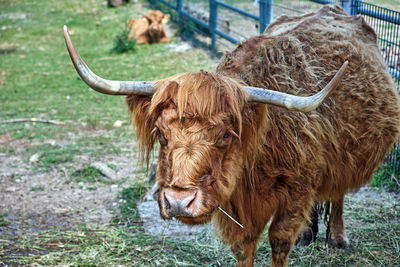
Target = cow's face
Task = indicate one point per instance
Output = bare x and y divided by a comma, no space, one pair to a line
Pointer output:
156,20
196,119
197,164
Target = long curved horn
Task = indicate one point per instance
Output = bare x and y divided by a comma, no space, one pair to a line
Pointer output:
291,102
102,85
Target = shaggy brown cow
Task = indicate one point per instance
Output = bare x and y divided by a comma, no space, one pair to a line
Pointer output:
222,146
150,28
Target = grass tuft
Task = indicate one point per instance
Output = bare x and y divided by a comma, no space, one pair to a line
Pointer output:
388,174
88,175
129,198
3,220
122,43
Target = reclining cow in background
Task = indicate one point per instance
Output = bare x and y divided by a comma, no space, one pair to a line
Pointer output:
150,28
268,153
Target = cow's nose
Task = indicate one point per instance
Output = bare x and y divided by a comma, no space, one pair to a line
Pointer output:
179,203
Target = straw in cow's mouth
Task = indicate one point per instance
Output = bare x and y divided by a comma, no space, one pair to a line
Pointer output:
230,217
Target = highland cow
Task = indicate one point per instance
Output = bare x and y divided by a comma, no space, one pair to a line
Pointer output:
261,154
150,28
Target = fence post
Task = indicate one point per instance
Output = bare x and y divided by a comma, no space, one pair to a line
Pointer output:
179,6
350,6
266,14
213,24
356,6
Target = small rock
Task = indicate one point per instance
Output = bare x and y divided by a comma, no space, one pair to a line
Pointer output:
11,189
117,124
180,48
155,225
61,210
51,142
34,158
114,3
105,170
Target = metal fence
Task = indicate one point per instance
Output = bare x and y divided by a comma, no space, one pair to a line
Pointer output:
247,18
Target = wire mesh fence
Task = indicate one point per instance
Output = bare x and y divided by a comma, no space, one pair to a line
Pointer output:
385,21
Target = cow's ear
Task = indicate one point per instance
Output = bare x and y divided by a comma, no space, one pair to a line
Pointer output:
149,20
165,19
143,122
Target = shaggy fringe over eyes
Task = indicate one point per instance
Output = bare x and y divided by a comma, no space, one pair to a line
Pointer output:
200,95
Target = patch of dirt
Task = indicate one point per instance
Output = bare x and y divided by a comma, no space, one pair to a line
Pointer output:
180,48
35,200
368,193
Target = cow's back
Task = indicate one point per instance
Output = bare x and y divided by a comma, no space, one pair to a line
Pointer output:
344,140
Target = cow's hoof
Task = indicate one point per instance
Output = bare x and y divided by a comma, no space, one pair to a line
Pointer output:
305,238
340,241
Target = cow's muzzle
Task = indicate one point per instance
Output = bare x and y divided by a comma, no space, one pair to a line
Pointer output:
178,203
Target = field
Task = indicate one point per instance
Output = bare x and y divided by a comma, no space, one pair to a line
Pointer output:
56,209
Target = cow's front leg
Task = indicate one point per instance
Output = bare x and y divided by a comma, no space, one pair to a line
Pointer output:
244,253
284,229
336,232
245,243
164,39
310,230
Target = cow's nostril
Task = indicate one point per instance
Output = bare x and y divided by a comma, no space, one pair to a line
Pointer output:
167,204
191,201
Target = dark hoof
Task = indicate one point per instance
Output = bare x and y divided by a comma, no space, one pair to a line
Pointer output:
338,242
305,238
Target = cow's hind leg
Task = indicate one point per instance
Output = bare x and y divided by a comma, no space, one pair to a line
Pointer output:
336,234
310,231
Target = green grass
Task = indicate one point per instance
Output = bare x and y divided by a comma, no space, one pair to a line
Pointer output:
37,188
3,220
130,197
88,175
40,81
372,228
52,155
122,43
387,175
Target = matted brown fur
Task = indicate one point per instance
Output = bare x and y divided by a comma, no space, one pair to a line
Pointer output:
274,163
